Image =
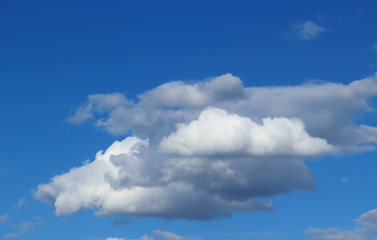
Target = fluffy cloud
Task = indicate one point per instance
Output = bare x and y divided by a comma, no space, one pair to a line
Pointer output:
131,179
367,224
217,132
207,149
307,30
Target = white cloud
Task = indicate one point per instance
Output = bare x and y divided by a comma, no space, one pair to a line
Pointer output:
307,30
217,132
205,152
131,179
367,224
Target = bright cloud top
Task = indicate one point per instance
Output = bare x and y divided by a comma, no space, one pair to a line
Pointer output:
207,149
217,132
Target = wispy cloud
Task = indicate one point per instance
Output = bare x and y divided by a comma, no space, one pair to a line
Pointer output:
4,218
248,234
14,235
122,221
20,203
345,180
157,235
366,225
24,228
306,30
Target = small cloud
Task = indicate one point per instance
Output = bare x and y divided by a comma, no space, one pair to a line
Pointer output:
307,30
20,203
345,180
374,48
4,218
122,221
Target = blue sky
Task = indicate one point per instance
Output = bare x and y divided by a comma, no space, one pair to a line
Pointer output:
274,101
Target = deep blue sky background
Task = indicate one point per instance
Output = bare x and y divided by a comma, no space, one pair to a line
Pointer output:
54,53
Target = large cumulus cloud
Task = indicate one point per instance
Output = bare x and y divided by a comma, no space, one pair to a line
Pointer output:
207,149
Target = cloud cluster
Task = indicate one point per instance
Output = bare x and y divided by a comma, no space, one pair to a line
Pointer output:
328,110
206,149
157,235
366,225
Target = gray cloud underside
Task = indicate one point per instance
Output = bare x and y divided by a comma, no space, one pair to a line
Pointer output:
210,148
